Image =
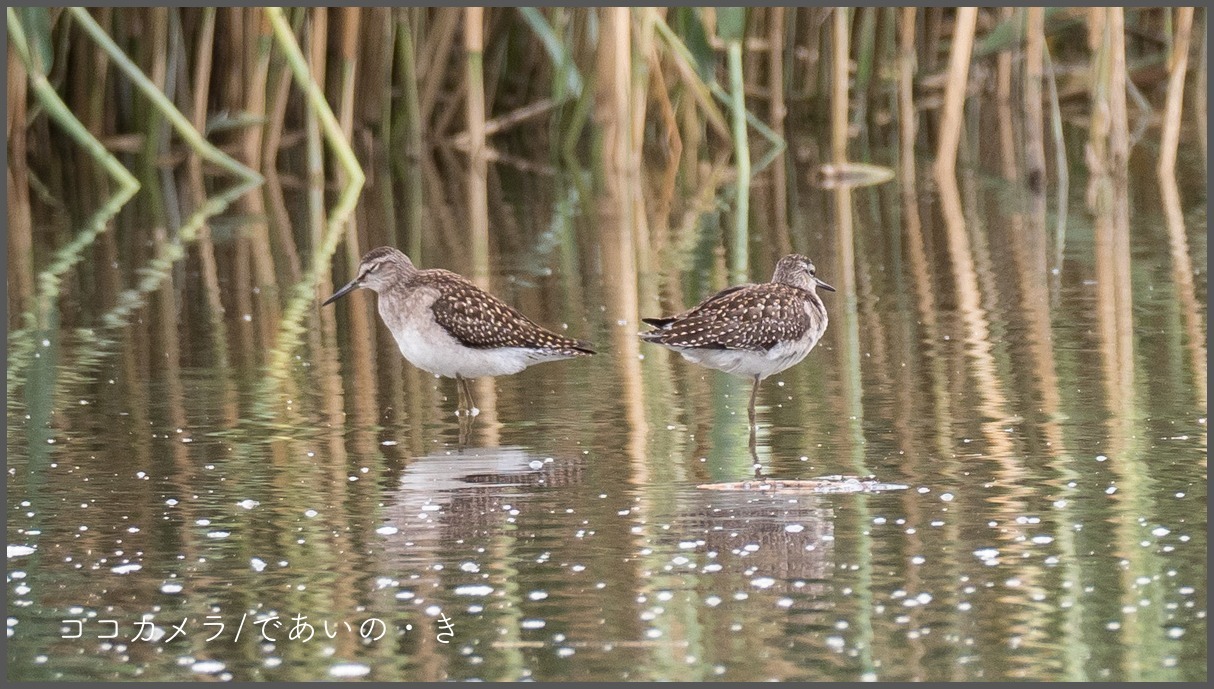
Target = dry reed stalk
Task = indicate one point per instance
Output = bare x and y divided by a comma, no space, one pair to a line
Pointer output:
1034,124
432,60
673,148
1098,127
230,48
407,69
276,118
778,113
865,48
644,46
907,123
1182,265
641,78
202,68
204,54
692,134
318,44
348,68
731,24
256,53
280,224
20,230
1170,136
1119,134
954,92
1003,103
378,63
775,88
614,63
96,77
478,186
839,74
258,56
1200,94
504,122
1063,181
159,20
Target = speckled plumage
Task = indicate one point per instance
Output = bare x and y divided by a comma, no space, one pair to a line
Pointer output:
752,330
480,320
744,317
446,325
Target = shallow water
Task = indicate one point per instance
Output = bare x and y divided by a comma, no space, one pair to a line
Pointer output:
1040,419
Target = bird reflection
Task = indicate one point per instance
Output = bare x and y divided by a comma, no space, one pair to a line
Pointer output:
786,536
460,493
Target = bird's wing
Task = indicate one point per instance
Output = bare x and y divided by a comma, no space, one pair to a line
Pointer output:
753,317
480,320
664,321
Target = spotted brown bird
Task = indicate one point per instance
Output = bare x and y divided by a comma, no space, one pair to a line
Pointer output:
448,326
752,330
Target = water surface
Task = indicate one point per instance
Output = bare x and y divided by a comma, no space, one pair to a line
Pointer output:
176,453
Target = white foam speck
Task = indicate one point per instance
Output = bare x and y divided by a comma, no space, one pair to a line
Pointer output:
349,670
19,550
207,667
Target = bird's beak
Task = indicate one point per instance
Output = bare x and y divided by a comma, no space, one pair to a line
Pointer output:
350,287
821,284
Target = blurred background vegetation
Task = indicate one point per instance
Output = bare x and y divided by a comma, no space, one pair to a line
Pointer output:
258,92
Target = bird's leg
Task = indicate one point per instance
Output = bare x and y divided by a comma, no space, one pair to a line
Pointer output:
459,393
754,392
754,453
465,428
468,396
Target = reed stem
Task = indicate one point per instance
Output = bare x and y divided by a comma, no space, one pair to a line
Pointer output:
1060,163
954,93
1034,126
907,123
839,75
478,192
740,254
1170,137
407,67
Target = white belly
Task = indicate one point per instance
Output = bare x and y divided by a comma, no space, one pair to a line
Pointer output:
748,363
443,355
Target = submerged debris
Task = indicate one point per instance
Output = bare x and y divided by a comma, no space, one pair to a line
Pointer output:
822,484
